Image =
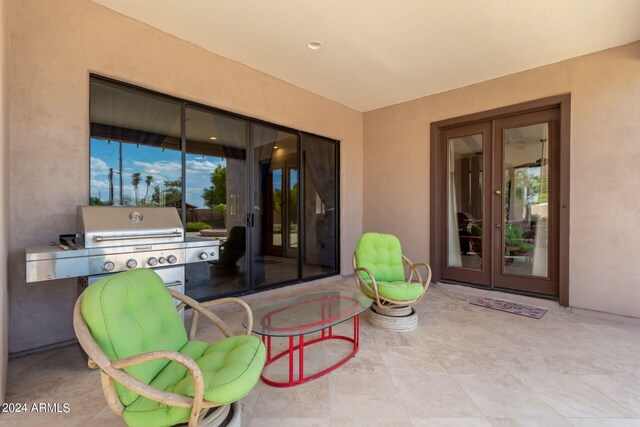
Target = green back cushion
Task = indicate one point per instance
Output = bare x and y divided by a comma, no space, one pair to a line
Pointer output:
131,313
382,255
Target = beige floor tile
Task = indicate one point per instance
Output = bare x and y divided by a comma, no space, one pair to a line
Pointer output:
503,396
529,422
571,397
623,389
309,400
405,363
604,422
450,422
436,396
366,421
289,422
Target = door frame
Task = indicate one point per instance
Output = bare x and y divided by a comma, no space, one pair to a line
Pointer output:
462,274
438,222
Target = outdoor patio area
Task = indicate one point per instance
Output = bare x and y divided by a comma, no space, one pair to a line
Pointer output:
464,366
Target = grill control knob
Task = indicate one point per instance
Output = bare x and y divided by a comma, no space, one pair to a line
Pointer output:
132,263
171,259
203,255
152,261
162,260
108,266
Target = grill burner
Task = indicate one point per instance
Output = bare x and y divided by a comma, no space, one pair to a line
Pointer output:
118,238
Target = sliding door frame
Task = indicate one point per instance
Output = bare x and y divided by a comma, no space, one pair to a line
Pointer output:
438,222
185,103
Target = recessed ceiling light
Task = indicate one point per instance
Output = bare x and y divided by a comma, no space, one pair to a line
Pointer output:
314,45
275,147
213,138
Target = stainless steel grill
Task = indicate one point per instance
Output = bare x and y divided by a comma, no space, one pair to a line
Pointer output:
113,239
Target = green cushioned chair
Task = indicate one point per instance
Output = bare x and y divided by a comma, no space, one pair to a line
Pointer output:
513,239
379,269
153,372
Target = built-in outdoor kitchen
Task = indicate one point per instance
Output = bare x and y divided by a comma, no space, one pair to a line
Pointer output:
112,239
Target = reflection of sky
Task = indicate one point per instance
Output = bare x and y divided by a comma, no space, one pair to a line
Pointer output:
162,165
277,178
199,170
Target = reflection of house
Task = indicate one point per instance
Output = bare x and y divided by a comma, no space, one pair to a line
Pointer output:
215,219
178,205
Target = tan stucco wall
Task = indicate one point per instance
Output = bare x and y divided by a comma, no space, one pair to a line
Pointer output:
605,153
4,217
54,47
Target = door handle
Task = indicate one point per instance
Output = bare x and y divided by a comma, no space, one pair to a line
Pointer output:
498,225
498,192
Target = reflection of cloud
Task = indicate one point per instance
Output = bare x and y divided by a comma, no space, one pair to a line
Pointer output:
97,185
98,166
172,169
203,165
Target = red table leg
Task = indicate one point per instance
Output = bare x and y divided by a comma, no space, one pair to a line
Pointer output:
327,334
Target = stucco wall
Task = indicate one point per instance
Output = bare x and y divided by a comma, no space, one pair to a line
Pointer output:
54,47
605,153
4,218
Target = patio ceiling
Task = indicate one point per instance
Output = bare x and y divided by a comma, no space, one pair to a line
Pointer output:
377,53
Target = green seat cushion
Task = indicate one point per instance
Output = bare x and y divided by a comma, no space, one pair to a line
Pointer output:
381,254
132,313
397,290
513,237
231,368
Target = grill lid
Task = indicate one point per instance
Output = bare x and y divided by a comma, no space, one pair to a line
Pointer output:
105,226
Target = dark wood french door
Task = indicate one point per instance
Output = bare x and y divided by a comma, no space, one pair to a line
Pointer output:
499,202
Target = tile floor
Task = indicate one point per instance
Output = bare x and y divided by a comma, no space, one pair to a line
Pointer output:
464,366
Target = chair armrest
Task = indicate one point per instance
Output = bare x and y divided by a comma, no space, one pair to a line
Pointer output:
244,305
200,309
413,268
159,395
427,282
361,281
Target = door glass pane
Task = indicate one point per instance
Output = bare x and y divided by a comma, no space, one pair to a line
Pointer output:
276,190
215,196
526,197
293,208
136,156
464,202
320,202
274,152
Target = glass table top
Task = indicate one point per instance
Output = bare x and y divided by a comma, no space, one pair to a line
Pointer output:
305,314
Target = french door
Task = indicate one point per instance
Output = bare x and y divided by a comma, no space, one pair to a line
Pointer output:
499,202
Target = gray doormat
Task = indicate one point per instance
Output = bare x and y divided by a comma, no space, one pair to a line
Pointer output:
510,307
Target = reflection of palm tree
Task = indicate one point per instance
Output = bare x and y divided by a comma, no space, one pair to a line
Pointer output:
148,180
135,181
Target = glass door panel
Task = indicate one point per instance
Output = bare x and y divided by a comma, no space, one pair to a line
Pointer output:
275,154
319,158
526,209
215,198
526,197
136,152
464,207
465,162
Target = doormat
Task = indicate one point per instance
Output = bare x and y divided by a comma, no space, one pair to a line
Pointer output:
510,307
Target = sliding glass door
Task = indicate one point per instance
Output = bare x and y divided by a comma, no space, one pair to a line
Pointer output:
215,200
274,218
268,193
320,205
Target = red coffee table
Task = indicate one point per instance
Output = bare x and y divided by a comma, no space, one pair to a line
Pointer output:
306,314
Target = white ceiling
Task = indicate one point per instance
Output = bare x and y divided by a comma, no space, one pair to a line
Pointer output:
381,52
